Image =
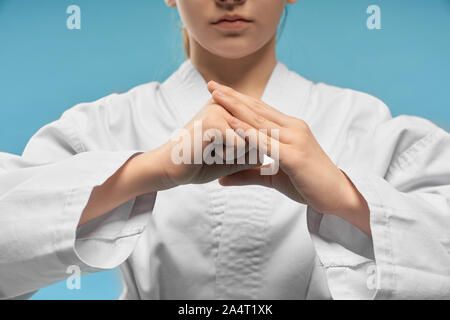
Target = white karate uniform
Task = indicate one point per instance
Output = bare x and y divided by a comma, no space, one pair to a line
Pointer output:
213,242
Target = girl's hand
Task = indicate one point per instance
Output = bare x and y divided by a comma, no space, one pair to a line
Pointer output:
307,174
184,157
157,169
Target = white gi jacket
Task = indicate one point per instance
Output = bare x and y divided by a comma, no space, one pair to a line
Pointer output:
213,242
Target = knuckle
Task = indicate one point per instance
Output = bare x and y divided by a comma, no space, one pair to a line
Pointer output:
259,119
299,142
302,124
214,108
210,119
260,104
214,111
227,90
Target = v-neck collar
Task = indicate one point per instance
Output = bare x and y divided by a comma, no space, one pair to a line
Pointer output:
187,91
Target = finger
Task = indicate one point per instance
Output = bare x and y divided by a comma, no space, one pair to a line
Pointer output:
256,105
240,154
241,111
219,141
247,177
258,139
225,133
243,163
252,176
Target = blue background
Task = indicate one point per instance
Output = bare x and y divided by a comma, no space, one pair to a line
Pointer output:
46,68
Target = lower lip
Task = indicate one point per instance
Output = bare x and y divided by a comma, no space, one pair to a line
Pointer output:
232,25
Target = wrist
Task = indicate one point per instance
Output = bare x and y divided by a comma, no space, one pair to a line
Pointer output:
150,173
354,207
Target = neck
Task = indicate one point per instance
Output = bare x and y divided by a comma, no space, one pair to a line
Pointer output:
248,75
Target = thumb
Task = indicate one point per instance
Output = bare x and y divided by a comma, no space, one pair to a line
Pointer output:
247,177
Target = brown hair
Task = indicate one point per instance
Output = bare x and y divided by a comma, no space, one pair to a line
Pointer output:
187,48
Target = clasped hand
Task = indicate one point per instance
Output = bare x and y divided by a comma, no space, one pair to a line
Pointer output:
306,174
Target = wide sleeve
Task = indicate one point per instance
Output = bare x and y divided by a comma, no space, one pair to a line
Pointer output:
43,193
402,169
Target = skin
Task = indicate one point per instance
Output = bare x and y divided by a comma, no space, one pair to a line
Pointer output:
237,66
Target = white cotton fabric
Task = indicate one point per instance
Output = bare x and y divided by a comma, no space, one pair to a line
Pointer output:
213,242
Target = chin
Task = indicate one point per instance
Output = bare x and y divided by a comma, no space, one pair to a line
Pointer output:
234,51
233,55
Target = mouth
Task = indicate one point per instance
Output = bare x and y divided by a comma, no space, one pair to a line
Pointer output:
232,22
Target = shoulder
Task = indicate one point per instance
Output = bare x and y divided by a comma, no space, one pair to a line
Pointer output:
363,109
116,120
115,106
323,103
357,106
365,121
117,112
